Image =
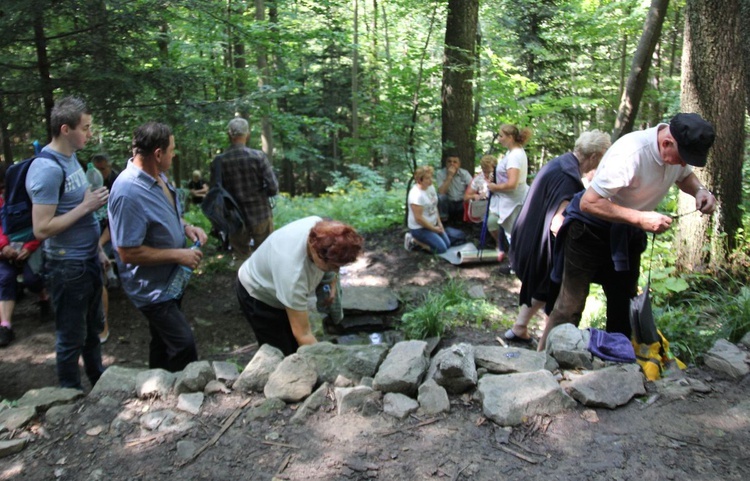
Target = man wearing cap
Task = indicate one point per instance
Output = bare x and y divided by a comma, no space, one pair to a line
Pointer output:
603,235
247,175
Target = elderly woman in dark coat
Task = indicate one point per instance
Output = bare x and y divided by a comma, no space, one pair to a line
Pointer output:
539,221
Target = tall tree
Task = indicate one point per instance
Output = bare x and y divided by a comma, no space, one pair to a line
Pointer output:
631,97
459,129
713,85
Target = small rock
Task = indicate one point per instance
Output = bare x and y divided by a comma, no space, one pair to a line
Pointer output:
433,399
399,405
13,446
214,387
190,402
185,449
590,416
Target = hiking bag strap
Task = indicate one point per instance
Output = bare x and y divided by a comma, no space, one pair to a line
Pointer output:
651,259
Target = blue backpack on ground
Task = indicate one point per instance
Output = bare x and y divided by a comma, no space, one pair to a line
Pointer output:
16,213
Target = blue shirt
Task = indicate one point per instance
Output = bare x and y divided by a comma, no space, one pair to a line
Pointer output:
80,241
140,214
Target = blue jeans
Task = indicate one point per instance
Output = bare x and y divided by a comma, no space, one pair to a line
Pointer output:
76,291
439,243
172,343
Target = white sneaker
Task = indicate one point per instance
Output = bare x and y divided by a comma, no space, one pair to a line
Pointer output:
408,241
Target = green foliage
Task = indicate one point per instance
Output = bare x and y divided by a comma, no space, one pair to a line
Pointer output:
364,203
451,306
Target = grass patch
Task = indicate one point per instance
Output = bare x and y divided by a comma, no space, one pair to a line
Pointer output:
448,307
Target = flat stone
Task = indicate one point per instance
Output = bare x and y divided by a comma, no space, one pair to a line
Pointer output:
351,399
46,397
166,421
194,377
502,360
215,387
313,402
190,402
16,418
58,414
13,446
264,409
186,449
369,299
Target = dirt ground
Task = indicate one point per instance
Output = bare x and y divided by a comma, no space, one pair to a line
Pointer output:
699,436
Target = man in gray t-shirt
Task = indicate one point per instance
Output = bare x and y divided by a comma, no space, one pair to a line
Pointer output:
451,183
70,233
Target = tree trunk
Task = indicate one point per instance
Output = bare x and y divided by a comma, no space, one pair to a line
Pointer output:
43,66
355,76
264,79
713,85
459,130
745,40
631,97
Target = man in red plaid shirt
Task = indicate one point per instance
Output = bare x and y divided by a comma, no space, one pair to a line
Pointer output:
247,175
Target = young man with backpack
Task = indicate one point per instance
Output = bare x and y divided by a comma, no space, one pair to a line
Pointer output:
65,222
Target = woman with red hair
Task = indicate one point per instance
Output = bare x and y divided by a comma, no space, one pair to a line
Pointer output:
274,283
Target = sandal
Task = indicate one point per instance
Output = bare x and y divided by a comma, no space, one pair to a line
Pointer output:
512,337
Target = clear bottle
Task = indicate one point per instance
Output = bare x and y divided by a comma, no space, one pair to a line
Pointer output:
180,280
94,177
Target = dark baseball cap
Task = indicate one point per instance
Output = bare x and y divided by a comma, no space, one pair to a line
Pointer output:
694,137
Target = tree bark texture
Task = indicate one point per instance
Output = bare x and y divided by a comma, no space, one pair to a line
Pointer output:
745,40
713,86
264,80
459,130
43,67
638,77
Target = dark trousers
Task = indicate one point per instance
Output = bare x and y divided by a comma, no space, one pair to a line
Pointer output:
588,258
172,343
270,324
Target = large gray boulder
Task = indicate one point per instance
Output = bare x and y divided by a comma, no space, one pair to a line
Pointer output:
403,368
727,358
293,379
352,362
507,399
116,379
154,383
255,375
609,387
453,368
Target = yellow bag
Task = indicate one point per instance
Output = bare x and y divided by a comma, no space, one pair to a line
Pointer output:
656,358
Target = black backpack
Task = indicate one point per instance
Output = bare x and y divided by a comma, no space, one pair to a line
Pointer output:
220,207
16,213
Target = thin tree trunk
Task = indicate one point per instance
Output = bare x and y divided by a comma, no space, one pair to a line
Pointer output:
264,79
745,40
355,76
43,66
638,77
713,85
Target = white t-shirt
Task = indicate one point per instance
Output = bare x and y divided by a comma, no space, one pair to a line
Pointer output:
280,273
632,173
428,199
504,203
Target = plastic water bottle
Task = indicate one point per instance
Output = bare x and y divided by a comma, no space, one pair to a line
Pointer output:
180,279
94,177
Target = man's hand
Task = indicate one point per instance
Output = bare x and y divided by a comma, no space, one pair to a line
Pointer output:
196,234
705,201
94,200
190,258
451,170
9,253
23,254
654,222
103,259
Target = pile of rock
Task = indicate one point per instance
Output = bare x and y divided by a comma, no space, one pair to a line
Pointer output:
510,383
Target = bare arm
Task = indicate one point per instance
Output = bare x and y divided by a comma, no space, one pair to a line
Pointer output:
150,256
704,200
512,182
47,224
558,218
595,204
300,323
449,174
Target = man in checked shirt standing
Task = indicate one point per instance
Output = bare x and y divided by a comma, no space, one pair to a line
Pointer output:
247,175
